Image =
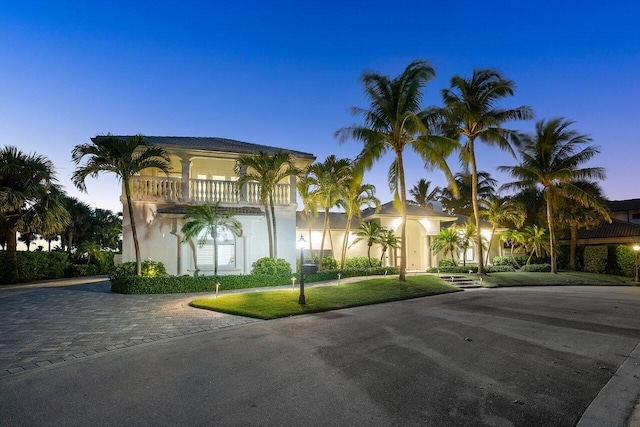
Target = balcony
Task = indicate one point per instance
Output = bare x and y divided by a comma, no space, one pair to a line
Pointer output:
172,190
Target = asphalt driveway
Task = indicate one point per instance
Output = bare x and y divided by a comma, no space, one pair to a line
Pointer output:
499,357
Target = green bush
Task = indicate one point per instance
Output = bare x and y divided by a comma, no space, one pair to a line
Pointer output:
149,269
361,262
595,259
267,265
30,266
625,260
457,269
536,268
82,270
447,262
522,259
500,269
506,260
128,284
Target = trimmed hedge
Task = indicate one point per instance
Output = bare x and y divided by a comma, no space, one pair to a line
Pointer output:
35,265
595,259
506,261
267,265
360,262
473,269
536,268
625,260
132,284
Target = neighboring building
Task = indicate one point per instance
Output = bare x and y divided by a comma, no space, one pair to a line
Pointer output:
625,210
202,171
422,225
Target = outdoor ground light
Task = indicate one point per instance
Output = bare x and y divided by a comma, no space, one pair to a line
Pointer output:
301,245
636,249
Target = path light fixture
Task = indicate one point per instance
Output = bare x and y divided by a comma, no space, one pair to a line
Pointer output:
302,244
636,249
293,282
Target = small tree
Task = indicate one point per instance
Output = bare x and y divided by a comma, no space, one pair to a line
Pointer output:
447,241
212,219
372,232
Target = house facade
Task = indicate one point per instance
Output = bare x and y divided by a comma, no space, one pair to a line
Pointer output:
423,224
202,171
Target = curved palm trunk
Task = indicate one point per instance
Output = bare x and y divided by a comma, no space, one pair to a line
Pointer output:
474,202
267,215
134,233
275,235
215,254
344,243
493,232
403,226
573,247
324,233
552,237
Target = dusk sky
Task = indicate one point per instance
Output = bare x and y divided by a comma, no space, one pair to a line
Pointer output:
285,73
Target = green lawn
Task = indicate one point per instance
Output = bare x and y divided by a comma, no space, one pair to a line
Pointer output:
284,303
547,279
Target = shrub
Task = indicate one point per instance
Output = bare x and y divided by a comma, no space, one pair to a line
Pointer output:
506,261
81,270
131,284
361,262
150,268
36,265
522,259
536,268
267,265
447,262
500,269
456,269
595,258
625,260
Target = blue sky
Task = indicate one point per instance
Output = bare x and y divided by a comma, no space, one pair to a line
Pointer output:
285,73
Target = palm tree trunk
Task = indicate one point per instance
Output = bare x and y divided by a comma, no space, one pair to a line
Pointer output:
493,231
573,247
324,232
275,235
344,243
403,226
474,202
215,254
136,244
552,239
269,234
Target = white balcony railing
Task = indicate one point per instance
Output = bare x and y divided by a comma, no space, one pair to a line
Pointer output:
149,188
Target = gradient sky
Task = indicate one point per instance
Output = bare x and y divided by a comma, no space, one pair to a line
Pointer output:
285,73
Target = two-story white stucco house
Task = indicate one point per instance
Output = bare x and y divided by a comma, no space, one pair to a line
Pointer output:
202,171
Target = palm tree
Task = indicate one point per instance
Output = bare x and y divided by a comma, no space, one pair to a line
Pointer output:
394,121
575,216
498,210
123,157
268,170
27,238
29,198
89,250
551,159
213,220
421,194
79,221
447,240
388,239
536,241
459,202
372,232
356,197
513,238
468,236
310,206
472,113
328,181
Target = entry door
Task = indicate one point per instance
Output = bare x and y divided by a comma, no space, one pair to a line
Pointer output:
415,246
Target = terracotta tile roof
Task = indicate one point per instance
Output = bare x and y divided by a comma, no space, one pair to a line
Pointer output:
236,210
215,144
624,205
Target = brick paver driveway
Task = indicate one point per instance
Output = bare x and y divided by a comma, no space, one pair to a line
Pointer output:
44,325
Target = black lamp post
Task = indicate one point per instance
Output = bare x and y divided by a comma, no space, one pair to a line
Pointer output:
301,244
636,250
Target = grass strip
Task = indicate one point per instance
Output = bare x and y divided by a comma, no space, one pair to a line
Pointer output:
564,278
283,303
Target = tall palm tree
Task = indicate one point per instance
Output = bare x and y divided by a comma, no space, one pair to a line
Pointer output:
79,221
394,121
29,198
574,216
123,157
372,232
213,220
388,240
552,159
268,170
472,113
447,240
328,181
460,202
422,193
356,197
498,210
